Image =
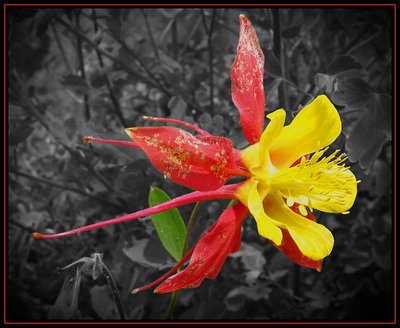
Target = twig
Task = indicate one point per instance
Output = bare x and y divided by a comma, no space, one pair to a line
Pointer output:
350,111
27,105
359,45
62,50
60,186
82,68
114,289
389,62
280,54
175,294
189,37
114,100
153,44
209,32
105,53
90,168
174,38
153,81
296,87
25,101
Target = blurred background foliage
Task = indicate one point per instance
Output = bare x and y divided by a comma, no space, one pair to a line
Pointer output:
74,72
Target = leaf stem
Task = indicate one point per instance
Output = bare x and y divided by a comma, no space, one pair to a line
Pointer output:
175,294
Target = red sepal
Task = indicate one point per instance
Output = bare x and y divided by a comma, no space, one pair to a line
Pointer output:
290,249
210,251
202,163
247,82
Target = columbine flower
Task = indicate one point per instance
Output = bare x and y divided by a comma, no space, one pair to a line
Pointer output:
287,176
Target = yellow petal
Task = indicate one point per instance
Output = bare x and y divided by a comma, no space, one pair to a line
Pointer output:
249,195
313,239
273,130
316,125
250,156
257,155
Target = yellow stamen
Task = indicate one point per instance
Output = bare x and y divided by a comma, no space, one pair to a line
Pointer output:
303,210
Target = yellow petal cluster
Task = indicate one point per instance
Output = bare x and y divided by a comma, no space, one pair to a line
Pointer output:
317,182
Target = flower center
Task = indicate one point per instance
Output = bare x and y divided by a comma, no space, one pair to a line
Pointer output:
311,183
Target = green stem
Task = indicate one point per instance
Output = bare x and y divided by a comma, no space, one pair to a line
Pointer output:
175,294
193,216
172,304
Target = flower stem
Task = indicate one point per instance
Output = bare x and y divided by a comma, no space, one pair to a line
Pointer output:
226,192
175,294
193,217
172,304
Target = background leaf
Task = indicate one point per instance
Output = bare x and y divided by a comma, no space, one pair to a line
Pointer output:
169,225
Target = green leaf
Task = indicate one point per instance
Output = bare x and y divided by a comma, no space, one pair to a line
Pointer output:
169,225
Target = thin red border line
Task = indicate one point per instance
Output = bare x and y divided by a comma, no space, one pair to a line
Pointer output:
204,322
394,162
205,5
197,322
5,169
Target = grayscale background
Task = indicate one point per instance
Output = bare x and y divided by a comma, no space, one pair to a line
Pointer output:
74,72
